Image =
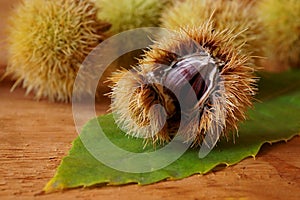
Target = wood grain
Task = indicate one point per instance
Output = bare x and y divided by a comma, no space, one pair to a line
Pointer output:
35,136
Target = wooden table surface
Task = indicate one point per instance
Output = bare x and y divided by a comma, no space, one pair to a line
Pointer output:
35,136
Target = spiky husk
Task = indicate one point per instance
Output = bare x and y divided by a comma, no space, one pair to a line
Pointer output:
133,99
281,20
47,42
129,14
238,16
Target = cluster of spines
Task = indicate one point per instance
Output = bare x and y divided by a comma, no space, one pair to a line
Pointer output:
237,76
47,43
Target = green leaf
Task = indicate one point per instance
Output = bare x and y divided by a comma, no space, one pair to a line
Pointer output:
274,119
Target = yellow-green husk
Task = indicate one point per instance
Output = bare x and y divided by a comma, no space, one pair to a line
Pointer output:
47,43
129,14
281,22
